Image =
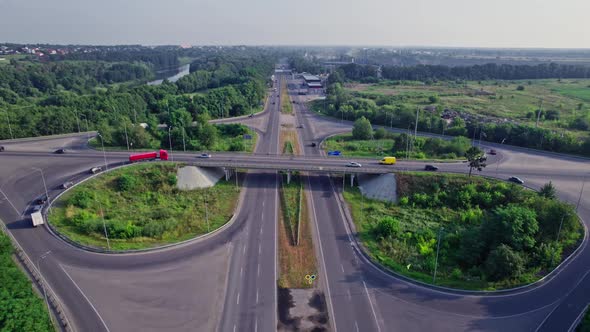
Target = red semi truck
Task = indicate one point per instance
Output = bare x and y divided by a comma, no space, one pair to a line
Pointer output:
162,155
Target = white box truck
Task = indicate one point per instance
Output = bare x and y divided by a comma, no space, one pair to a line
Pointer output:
37,218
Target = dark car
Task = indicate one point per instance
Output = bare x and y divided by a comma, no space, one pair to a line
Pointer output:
313,145
41,200
251,115
515,180
60,151
493,152
1,148
430,168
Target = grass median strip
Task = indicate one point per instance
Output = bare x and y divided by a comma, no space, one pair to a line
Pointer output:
142,208
286,106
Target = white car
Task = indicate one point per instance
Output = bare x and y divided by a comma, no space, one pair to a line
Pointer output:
353,164
204,155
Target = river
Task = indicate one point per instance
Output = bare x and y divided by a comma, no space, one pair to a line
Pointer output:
176,75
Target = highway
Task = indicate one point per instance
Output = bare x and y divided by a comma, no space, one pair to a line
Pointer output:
228,282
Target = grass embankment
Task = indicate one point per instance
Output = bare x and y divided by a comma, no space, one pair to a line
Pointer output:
230,137
391,144
494,235
142,208
20,308
286,106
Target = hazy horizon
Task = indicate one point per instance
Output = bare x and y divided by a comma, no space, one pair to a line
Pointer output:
377,23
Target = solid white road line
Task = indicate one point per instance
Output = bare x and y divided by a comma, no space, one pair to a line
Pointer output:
371,303
241,271
238,299
85,297
356,325
342,267
6,197
329,297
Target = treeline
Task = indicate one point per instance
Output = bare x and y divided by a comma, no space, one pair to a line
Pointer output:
35,80
301,64
22,309
393,111
164,57
112,109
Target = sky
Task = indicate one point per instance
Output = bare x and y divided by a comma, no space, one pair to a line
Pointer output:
456,23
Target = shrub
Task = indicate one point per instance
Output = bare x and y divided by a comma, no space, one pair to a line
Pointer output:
520,88
81,199
386,227
504,263
127,182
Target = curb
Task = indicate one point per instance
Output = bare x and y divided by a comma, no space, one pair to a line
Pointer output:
75,244
359,246
45,138
58,311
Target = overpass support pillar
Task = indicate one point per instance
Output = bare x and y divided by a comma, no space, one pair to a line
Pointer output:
227,173
288,177
352,179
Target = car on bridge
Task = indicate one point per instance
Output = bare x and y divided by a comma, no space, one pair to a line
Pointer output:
431,168
204,155
1,148
60,151
353,164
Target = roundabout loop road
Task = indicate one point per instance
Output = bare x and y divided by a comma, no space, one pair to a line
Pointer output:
158,290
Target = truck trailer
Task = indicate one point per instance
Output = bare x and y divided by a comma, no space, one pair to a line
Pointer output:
162,155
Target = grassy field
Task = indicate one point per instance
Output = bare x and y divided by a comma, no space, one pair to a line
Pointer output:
142,208
21,308
495,98
378,148
296,260
403,236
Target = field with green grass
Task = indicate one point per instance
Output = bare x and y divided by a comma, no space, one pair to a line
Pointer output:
494,235
566,99
390,144
21,308
141,207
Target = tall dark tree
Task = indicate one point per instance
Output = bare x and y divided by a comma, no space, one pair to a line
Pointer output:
476,159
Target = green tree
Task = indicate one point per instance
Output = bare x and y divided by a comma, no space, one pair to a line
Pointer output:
362,129
386,227
380,133
208,135
514,225
475,158
433,99
548,191
504,263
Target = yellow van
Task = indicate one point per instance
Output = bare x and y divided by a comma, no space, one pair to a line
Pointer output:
387,161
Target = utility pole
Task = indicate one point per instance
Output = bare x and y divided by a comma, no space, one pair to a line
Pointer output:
44,184
170,142
77,119
436,260
104,226
9,128
539,113
106,167
207,213
581,192
126,137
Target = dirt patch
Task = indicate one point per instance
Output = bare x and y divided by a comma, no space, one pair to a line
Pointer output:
302,310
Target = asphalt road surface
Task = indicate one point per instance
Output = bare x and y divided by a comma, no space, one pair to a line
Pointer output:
228,282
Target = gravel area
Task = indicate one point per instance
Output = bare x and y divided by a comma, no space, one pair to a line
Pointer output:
192,177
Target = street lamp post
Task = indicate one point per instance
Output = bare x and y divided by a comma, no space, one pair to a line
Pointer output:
39,259
104,154
77,119
207,213
170,142
581,192
437,251
87,128
126,137
9,128
44,184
